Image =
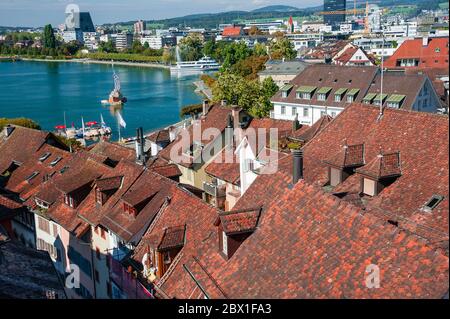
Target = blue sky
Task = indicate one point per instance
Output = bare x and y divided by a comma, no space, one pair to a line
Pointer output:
40,12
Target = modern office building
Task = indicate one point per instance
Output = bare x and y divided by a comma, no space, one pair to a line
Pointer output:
124,41
82,24
332,6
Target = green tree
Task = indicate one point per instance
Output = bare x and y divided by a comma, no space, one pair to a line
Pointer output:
252,96
209,48
282,48
168,56
20,121
260,49
191,48
250,66
49,40
107,47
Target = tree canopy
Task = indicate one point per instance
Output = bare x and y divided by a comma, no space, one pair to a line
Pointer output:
49,40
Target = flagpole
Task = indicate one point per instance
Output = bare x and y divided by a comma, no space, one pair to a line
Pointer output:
118,126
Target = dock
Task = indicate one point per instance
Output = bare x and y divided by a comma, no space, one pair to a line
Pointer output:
202,88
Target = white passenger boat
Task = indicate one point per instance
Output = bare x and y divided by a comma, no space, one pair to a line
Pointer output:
204,64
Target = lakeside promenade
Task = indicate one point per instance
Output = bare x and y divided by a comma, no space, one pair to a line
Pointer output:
87,61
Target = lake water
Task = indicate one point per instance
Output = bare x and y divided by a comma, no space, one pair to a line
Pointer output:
43,91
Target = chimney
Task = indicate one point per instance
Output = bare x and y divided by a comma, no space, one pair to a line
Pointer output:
223,103
8,130
425,41
205,107
142,146
235,111
172,133
297,172
138,137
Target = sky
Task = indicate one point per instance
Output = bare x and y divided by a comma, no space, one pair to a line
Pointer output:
35,13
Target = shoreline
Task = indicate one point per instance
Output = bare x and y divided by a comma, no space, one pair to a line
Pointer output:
91,61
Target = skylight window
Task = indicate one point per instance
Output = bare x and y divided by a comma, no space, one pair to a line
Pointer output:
433,202
32,176
55,161
44,157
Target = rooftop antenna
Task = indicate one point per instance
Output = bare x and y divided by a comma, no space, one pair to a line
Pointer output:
380,115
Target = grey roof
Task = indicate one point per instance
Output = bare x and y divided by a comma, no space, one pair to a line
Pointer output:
26,273
287,67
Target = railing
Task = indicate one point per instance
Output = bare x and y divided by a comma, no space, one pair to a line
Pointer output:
214,190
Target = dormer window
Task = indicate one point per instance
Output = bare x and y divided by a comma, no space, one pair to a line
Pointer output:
99,197
344,162
55,161
224,243
369,187
395,100
69,201
368,99
285,90
33,175
339,94
379,99
379,173
234,228
351,95
129,209
432,203
44,157
305,92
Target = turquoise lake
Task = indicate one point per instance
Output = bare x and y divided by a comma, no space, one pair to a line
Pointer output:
44,91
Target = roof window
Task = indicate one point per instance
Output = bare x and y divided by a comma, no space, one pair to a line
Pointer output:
32,176
44,157
55,161
433,202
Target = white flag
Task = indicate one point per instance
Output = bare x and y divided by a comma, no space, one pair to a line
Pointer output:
121,121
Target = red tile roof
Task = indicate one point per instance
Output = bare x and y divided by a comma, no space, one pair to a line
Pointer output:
325,246
306,133
109,183
231,31
150,193
216,118
421,139
113,151
383,166
236,222
434,54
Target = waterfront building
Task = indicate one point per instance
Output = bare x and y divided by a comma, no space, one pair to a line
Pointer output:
124,40
73,35
159,42
328,89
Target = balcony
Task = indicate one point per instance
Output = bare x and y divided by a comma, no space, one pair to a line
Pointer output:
214,190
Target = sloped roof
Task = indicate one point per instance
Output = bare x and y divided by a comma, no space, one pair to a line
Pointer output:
334,76
434,54
26,273
422,140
